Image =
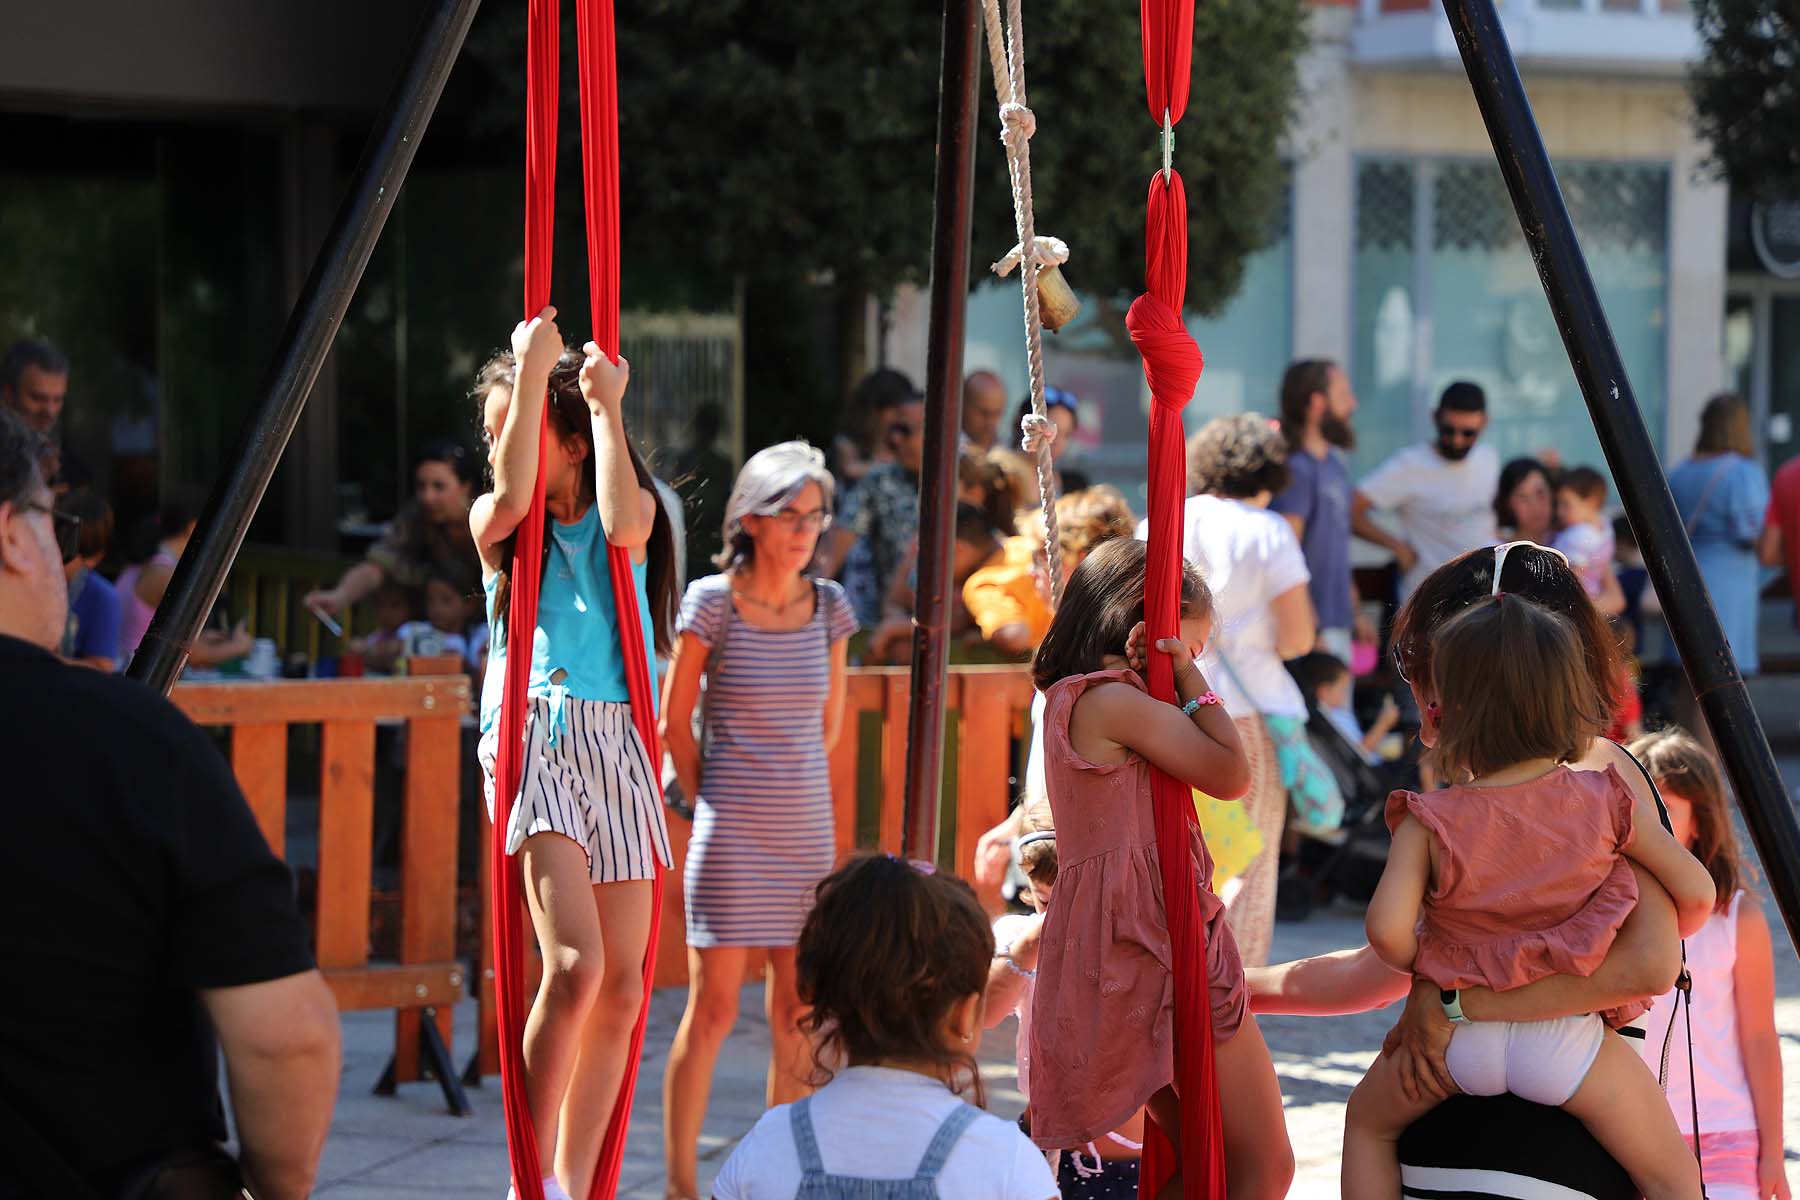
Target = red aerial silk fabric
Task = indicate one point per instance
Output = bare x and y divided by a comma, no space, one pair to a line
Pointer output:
1168,55
600,160
1172,365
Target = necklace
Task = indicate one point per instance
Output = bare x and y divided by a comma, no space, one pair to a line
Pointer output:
766,606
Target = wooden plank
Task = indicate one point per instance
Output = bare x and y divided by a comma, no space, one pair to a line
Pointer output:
982,771
360,989
862,693
671,941
487,1014
346,822
259,761
428,865
893,767
311,701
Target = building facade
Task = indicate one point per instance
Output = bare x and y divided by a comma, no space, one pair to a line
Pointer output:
1399,254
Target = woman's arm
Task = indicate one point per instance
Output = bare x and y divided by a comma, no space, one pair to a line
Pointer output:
358,582
1296,628
836,694
1202,751
1680,873
1753,981
1393,916
1769,551
1327,985
536,344
1611,600
627,508
993,849
681,691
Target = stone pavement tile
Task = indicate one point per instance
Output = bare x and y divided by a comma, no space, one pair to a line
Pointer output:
390,1191
446,1164
348,1155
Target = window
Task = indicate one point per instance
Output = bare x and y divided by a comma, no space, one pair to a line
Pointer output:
1445,289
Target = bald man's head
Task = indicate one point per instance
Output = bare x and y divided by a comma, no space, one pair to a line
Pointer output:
983,408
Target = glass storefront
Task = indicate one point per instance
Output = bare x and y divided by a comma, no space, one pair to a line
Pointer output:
1444,289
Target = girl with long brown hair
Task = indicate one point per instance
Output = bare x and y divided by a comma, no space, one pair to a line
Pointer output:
1735,1078
587,825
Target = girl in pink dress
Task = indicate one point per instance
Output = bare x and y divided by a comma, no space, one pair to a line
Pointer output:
1513,873
1103,1016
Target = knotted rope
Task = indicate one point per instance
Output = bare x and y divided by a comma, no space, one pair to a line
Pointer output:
1006,55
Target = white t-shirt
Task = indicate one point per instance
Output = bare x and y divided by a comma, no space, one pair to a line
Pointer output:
1445,508
1248,556
875,1123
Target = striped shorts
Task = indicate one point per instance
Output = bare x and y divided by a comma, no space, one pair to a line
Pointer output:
592,783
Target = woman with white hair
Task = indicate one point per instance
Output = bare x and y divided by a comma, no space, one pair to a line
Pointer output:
770,642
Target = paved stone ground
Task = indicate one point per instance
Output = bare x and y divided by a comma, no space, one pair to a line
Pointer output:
408,1147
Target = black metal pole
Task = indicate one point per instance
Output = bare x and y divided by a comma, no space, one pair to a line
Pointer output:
308,337
951,209
1658,526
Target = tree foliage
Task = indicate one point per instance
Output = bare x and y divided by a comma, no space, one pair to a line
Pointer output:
1746,92
795,141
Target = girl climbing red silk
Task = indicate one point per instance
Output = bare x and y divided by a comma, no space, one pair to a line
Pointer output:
600,163
1172,365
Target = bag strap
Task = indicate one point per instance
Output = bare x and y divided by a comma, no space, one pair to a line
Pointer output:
1706,495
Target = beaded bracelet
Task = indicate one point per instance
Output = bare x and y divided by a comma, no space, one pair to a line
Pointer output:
1205,700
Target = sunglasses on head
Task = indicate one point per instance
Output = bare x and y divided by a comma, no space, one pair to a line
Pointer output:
1500,553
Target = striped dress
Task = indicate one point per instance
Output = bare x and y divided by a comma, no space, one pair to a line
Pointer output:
763,833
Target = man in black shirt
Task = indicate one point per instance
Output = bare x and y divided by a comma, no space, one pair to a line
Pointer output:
147,924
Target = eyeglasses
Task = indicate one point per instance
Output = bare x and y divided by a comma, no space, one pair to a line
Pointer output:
1500,553
67,526
1447,431
794,521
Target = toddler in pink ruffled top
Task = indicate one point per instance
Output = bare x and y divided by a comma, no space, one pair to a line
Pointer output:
1517,872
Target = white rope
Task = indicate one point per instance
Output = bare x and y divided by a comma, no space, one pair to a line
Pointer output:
1006,56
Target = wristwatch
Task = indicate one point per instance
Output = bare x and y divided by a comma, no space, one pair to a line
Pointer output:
1451,999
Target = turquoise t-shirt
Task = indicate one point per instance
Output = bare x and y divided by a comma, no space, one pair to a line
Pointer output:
577,625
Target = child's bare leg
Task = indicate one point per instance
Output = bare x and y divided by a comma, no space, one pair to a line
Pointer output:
1627,1113
1377,1114
1165,1110
1259,1162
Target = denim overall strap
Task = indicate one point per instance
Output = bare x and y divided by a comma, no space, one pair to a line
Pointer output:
945,1141
806,1142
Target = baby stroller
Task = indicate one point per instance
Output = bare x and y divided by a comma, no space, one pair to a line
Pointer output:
1350,864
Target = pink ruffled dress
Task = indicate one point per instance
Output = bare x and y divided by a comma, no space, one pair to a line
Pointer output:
1103,1017
1531,879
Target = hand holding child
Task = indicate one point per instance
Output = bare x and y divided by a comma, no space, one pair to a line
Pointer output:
603,381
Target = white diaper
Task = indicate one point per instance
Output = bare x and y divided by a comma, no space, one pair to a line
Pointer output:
1540,1061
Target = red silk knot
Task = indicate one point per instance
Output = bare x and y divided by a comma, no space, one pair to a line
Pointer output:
1168,36
1172,359
1166,240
